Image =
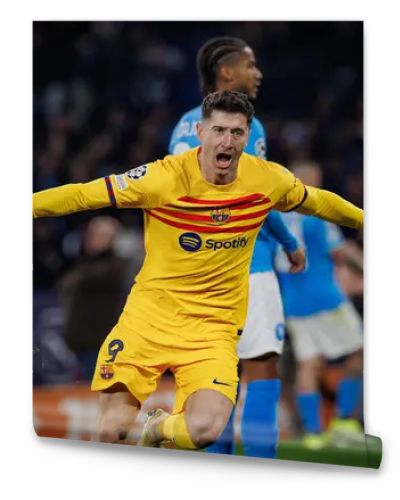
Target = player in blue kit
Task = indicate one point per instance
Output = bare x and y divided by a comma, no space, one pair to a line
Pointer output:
229,64
323,324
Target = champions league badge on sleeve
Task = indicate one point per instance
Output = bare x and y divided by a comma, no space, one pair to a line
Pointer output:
137,173
260,148
121,182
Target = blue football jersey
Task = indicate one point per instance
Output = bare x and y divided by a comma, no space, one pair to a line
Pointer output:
315,289
184,137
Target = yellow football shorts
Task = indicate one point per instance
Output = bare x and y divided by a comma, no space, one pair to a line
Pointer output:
153,334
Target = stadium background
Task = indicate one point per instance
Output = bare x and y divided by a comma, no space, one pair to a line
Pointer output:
106,96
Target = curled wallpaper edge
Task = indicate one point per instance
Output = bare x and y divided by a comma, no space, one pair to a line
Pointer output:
69,412
367,454
373,446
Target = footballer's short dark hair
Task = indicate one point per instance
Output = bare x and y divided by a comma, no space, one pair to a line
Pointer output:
229,101
210,57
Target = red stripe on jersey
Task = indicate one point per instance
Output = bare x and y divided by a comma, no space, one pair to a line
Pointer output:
204,229
239,206
266,201
207,218
250,197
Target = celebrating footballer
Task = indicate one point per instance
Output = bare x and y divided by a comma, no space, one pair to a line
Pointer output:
188,305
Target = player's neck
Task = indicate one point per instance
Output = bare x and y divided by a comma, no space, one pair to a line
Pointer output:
218,180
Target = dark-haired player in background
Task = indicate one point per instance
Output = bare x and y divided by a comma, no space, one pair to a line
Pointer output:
227,63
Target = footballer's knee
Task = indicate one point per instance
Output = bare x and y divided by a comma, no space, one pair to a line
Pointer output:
118,411
308,374
205,430
112,430
207,413
107,437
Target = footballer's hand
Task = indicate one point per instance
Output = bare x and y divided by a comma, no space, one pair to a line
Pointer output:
297,260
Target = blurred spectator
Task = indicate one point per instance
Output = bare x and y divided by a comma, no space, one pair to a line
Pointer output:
93,292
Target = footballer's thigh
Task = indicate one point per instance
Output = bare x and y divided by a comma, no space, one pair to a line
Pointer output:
126,374
129,356
207,382
213,367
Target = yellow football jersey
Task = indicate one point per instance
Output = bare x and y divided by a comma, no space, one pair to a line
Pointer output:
199,237
190,297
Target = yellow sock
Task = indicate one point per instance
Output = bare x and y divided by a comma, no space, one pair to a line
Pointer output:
174,429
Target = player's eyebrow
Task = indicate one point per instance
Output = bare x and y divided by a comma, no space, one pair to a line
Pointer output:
233,130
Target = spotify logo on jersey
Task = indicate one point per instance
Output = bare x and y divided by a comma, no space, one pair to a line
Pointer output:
191,242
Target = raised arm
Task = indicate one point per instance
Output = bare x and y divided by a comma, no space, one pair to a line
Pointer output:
331,207
71,198
309,200
145,186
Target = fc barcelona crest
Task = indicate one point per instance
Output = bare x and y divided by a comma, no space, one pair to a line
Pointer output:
220,215
106,372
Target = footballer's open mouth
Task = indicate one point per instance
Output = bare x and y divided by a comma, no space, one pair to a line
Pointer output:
224,160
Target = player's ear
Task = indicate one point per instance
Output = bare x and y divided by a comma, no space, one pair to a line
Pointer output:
226,73
199,131
246,135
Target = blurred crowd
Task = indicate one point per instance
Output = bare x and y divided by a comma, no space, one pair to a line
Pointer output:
106,96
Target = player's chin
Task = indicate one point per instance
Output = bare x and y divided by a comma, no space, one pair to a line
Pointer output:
254,92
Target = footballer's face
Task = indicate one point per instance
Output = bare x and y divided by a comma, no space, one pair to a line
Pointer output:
244,76
223,137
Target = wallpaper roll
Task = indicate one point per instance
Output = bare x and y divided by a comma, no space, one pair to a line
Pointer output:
221,311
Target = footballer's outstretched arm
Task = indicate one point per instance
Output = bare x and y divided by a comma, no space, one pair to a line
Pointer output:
309,200
331,207
146,186
71,198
